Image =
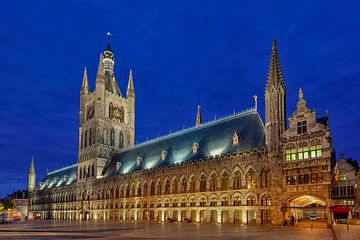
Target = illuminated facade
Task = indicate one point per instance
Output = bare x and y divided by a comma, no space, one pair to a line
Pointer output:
232,170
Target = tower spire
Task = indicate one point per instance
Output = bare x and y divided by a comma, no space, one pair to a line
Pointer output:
85,83
275,76
198,117
32,176
130,88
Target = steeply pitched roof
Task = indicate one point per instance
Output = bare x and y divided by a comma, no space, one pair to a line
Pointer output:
213,138
275,76
59,178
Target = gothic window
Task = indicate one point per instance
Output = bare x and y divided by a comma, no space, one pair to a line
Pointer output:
237,180
192,184
163,154
203,202
167,186
80,174
121,113
183,185
132,193
152,189
86,139
93,170
138,190
264,178
158,188
112,137
225,181
203,184
121,139
213,182
88,171
291,180
117,193
145,190
127,191
90,136
94,136
175,186
266,200
237,201
250,201
250,179
301,127
82,141
224,201
110,111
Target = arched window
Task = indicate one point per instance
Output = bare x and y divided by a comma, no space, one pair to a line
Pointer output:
93,170
90,136
121,113
88,171
183,185
167,186
152,189
117,193
139,190
132,193
192,184
121,192
213,182
250,179
266,200
121,139
127,191
145,190
264,178
225,182
237,180
86,139
82,141
158,188
250,201
80,173
112,137
94,136
175,186
203,184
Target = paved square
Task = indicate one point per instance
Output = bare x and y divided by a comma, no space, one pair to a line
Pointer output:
146,230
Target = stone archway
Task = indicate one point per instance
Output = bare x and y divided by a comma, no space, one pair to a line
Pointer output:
304,207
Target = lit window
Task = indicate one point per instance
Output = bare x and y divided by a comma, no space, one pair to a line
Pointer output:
293,154
288,155
300,153
306,152
195,148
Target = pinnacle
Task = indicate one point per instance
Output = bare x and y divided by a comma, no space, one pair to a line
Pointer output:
275,74
198,117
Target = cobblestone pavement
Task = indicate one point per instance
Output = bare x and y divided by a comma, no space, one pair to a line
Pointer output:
144,230
343,233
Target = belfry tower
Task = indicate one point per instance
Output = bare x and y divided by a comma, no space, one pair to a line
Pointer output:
275,102
107,118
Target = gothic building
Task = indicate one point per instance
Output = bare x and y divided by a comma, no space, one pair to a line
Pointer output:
235,169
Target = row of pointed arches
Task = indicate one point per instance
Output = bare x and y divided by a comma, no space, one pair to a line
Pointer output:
105,136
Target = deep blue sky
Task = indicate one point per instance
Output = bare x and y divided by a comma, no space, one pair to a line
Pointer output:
215,52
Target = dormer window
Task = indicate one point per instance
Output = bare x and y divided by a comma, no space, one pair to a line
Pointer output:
118,165
138,161
301,127
66,177
195,148
163,155
235,138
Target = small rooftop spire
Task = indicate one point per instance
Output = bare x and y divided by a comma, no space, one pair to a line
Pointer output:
100,71
108,47
32,166
256,101
198,117
85,83
301,93
130,88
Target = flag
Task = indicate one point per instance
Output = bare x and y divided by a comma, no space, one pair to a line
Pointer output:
336,173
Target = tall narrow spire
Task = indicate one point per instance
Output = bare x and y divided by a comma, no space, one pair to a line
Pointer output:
275,75
85,83
32,176
100,71
130,88
198,117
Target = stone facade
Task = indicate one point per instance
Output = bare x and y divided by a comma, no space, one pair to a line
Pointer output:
258,185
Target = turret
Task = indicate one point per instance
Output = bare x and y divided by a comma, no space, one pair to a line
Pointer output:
130,96
275,102
198,117
31,177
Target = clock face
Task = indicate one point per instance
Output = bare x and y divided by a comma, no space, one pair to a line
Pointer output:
90,112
